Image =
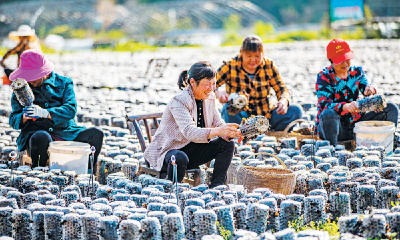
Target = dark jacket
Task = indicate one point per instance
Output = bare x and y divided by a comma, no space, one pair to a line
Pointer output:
56,95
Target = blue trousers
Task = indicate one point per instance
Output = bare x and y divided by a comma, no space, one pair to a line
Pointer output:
330,128
277,122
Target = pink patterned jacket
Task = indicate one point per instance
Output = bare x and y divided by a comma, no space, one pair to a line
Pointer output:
178,126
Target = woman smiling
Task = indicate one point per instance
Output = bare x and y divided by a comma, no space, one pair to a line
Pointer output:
192,130
258,76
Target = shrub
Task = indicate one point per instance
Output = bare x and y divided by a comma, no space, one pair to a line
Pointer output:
265,30
357,33
331,227
129,46
226,234
232,25
301,35
67,32
113,34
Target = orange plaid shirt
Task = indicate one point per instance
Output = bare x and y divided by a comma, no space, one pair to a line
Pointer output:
266,76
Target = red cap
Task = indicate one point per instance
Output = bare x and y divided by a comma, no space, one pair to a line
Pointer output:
339,51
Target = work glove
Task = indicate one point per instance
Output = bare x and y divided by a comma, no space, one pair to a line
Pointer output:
35,111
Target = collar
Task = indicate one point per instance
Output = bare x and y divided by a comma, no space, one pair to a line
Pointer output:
52,80
190,91
332,70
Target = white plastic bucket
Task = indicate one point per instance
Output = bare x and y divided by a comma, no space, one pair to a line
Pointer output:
375,133
69,156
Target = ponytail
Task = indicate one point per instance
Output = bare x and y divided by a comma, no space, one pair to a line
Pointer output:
197,71
183,80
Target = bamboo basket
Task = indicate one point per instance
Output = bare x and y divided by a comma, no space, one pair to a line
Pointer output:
279,180
285,133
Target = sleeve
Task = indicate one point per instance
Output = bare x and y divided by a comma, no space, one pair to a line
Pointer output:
16,114
326,95
277,84
186,124
223,74
217,120
363,80
67,110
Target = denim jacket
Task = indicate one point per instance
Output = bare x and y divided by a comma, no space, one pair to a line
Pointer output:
56,95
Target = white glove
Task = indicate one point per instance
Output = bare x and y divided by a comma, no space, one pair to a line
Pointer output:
35,111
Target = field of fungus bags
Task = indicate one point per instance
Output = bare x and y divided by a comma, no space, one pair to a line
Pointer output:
338,194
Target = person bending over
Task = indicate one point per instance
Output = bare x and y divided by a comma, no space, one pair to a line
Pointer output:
51,117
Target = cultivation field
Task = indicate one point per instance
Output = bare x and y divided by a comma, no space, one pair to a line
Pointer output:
335,193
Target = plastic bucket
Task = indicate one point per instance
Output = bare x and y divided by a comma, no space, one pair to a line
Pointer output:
375,133
69,156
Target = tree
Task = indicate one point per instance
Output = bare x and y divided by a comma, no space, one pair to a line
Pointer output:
263,30
232,25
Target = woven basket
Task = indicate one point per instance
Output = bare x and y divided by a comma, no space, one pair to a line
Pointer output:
285,133
279,180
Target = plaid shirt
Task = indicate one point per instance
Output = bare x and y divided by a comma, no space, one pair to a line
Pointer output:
19,49
259,89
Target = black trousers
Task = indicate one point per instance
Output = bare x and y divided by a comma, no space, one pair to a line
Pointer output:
331,129
8,71
39,143
195,154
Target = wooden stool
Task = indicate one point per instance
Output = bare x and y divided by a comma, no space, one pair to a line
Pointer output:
133,125
26,159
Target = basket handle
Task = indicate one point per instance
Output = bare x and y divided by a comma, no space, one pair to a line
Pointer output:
292,124
241,163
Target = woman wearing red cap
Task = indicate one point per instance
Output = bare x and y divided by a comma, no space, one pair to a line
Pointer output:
54,110
337,90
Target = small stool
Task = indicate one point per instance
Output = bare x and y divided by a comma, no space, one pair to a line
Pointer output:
25,159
